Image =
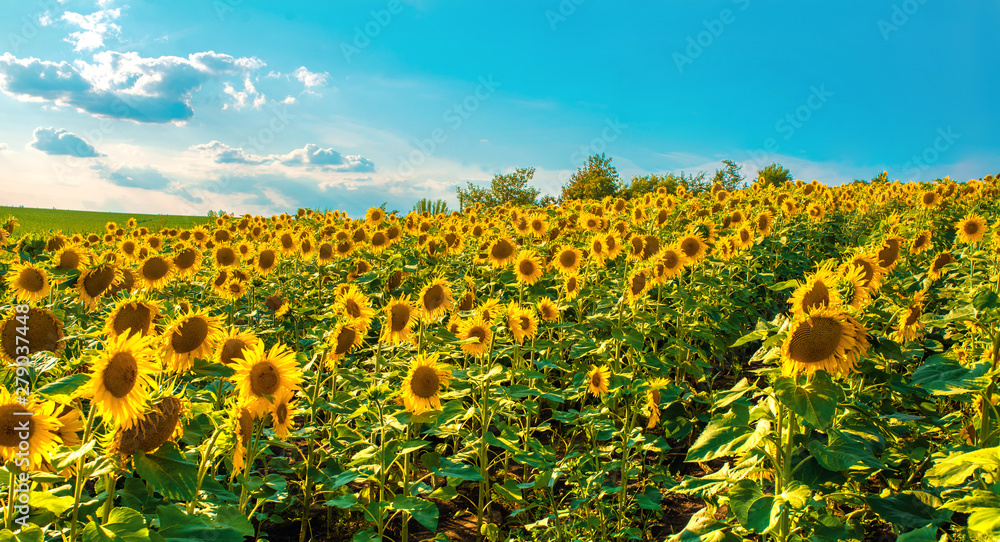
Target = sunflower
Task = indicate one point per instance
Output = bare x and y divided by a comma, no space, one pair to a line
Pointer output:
155,271
341,341
489,310
152,431
261,375
528,267
638,284
42,431
133,315
400,316
826,339
909,321
522,322
122,374
234,344
888,255
635,246
243,428
283,413
597,380
266,260
375,216
938,266
70,426
71,257
921,242
672,261
819,291
357,307
96,282
693,247
477,328
547,309
44,333
653,397
186,260
225,256
191,335
435,299
971,229
502,251
29,282
930,199
850,286
614,248
421,388
572,286
567,260
871,279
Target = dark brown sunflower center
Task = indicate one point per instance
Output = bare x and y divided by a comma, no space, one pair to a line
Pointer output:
913,315
264,378
671,260
596,379
425,382
525,323
352,308
153,430
287,242
929,198
326,251
120,375
220,279
819,295
190,335
134,316
155,268
400,317
942,261
246,426
889,253
69,260
266,259
434,297
225,256
502,250
638,284
478,332
690,246
816,342
651,246
98,280
526,267
345,340
281,412
869,270
379,239
31,280
467,301
970,227
232,349
185,259
274,302
567,259
571,284
11,418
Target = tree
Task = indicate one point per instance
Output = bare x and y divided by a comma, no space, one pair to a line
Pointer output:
505,188
729,177
595,180
694,183
774,175
433,207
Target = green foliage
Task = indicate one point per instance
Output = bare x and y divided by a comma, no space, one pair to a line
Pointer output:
595,180
774,175
433,207
33,220
505,188
729,176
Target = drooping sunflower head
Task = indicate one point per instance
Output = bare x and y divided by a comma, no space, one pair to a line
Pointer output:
638,284
435,299
477,328
528,267
132,315
826,339
277,304
548,310
400,314
260,375
572,286
340,342
921,242
888,255
283,413
971,229
152,430
37,330
96,282
940,262
819,291
28,281
191,335
234,344
598,379
521,322
421,389
121,376
909,326
871,279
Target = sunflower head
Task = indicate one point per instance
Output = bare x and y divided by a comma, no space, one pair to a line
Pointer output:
477,328
826,339
44,333
191,335
121,376
42,431
548,310
971,229
435,299
261,375
598,379
29,282
421,387
400,315
132,315
234,345
528,267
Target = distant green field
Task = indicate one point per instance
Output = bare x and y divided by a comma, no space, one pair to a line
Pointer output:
33,221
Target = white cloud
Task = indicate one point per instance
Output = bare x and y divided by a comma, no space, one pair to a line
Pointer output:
93,28
57,141
309,156
310,79
3,147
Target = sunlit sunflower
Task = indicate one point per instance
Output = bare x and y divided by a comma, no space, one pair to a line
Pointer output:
572,286
191,335
598,379
225,256
71,257
613,246
37,330
266,260
522,322
70,426
528,267
234,344
28,281
42,433
639,283
152,430
548,310
134,313
888,256
155,271
653,396
819,291
340,342
354,304
873,272
260,375
477,328
490,310
502,251
186,260
971,229
567,259
850,286
930,199
827,339
921,242
910,326
242,421
421,389
672,261
693,247
400,314
938,266
121,376
96,282
435,299
283,413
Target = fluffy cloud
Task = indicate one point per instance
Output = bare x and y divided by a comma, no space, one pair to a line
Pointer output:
60,142
126,85
310,79
138,177
3,147
311,156
93,28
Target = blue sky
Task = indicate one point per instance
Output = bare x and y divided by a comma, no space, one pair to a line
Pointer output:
263,107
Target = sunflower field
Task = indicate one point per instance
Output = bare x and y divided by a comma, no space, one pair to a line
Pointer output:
795,362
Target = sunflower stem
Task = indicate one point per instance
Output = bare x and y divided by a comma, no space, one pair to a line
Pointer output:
9,512
202,469
110,479
78,487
